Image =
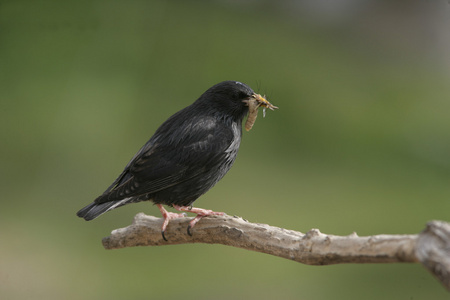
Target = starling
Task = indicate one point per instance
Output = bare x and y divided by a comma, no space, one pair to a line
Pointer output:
188,154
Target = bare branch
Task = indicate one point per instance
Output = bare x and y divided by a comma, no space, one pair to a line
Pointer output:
431,247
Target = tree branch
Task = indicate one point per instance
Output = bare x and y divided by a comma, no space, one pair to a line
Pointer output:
431,247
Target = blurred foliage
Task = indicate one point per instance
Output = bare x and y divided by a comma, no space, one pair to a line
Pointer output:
361,142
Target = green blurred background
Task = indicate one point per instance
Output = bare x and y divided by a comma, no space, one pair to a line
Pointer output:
361,141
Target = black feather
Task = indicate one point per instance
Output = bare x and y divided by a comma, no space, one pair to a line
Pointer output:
188,154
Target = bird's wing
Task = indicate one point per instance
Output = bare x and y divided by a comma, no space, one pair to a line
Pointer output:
171,157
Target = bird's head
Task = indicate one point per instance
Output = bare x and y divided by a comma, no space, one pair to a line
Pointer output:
233,98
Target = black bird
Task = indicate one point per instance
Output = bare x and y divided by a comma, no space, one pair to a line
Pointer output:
188,154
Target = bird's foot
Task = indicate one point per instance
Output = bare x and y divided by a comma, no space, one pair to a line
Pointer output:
200,214
167,217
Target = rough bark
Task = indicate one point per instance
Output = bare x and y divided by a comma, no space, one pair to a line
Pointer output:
431,247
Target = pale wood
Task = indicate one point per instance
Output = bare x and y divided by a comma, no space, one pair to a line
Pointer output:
431,247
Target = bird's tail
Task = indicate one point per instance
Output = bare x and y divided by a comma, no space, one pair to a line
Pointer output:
94,209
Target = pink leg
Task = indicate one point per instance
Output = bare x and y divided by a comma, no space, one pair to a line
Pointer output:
167,217
200,214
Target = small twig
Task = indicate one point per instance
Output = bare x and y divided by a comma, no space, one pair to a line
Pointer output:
431,247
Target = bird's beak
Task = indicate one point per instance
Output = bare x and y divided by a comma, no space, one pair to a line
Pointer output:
262,101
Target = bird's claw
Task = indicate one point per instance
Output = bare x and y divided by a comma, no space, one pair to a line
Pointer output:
167,217
199,211
163,236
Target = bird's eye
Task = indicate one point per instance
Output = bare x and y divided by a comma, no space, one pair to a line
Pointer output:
243,95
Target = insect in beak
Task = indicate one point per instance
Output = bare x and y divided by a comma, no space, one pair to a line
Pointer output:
262,101
253,103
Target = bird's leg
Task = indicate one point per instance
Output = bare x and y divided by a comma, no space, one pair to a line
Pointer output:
167,217
200,214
